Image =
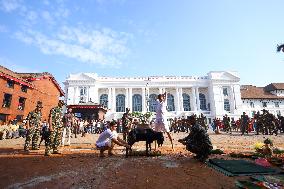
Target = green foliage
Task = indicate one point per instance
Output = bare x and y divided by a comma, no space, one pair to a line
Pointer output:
278,151
268,141
143,118
217,151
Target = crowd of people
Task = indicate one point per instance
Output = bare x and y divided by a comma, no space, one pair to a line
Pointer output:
12,129
261,123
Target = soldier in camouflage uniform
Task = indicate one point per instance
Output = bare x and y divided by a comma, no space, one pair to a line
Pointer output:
197,141
202,121
126,123
227,124
56,129
33,127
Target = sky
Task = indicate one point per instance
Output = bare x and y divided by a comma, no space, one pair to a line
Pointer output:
144,37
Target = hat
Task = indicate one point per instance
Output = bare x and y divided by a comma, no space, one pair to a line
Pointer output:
39,104
61,102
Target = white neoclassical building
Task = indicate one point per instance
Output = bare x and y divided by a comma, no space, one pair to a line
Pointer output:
214,95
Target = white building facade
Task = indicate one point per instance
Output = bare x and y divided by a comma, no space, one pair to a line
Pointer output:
270,98
214,95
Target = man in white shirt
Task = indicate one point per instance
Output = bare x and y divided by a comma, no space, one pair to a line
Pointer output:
161,124
108,138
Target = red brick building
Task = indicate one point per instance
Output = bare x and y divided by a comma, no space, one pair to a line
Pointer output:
19,93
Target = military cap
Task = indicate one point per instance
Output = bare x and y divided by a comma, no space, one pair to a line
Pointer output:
39,104
61,102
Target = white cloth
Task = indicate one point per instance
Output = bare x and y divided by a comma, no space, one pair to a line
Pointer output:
66,130
161,123
105,138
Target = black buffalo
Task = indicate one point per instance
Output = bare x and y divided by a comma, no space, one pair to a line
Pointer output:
144,134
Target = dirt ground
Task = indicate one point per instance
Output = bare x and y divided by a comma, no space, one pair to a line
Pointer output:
79,165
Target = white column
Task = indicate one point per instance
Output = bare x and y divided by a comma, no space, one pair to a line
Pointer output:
193,99
232,99
197,99
148,95
113,100
177,99
77,95
130,99
70,95
143,99
181,100
96,96
109,99
88,94
126,97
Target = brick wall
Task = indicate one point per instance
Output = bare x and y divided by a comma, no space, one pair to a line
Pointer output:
45,91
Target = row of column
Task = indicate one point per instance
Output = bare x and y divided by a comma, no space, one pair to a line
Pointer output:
145,98
92,94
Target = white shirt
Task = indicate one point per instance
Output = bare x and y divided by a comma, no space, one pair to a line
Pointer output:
106,137
161,110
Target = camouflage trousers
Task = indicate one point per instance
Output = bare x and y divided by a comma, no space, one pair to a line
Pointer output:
33,135
54,140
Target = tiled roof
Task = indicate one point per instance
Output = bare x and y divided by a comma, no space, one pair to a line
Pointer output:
253,92
28,78
274,86
14,76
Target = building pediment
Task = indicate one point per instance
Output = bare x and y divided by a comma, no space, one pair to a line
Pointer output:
224,75
83,77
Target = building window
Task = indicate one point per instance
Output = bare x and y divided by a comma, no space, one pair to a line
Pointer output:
264,104
251,104
120,103
226,105
21,105
83,91
137,103
24,88
3,117
186,102
171,102
225,91
19,117
202,100
10,84
276,104
7,100
104,100
152,102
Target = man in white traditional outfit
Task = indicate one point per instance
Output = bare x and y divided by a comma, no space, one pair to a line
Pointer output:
161,124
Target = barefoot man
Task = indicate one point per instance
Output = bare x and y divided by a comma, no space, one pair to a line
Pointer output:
161,124
108,138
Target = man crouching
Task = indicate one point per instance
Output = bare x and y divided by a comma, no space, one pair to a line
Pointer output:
197,141
108,138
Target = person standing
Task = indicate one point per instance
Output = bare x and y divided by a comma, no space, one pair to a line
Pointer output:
244,123
161,124
126,123
55,128
68,121
33,127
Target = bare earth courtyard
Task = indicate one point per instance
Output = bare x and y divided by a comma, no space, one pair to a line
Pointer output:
79,165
